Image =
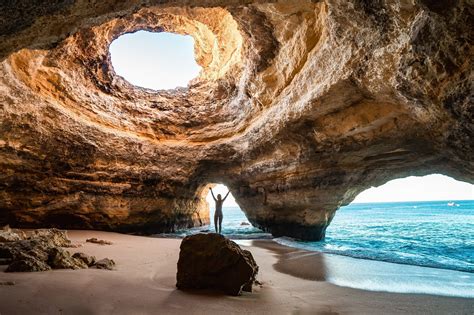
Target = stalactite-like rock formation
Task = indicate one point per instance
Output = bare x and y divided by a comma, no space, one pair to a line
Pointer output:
300,106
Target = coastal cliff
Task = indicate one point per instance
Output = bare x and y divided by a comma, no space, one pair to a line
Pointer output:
300,106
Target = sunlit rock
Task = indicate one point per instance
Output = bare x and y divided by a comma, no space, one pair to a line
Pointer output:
300,106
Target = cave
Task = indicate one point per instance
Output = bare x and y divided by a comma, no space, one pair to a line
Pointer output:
298,107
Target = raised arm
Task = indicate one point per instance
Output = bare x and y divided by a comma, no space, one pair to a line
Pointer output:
226,195
212,193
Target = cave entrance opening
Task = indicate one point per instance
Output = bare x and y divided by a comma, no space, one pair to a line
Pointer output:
434,187
426,221
158,61
235,223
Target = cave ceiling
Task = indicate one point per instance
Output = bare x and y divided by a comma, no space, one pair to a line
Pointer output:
300,106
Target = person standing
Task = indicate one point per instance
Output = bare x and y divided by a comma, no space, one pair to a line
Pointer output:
218,216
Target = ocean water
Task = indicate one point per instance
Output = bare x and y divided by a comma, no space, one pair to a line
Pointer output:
431,234
438,234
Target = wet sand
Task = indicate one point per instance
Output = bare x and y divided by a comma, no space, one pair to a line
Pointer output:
370,275
144,283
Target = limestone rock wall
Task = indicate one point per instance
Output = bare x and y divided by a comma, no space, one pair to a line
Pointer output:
300,106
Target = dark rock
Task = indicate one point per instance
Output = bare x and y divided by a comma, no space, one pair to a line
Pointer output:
25,256
62,259
27,263
34,248
97,241
249,259
7,283
88,260
211,261
5,252
105,263
5,261
43,251
39,252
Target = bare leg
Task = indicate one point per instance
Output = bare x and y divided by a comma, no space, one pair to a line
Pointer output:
215,223
220,223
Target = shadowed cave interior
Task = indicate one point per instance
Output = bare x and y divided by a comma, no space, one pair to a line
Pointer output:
298,107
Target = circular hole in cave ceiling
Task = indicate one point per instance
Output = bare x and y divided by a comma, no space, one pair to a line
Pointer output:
158,61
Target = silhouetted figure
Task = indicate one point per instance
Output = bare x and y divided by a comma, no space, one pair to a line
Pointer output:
218,214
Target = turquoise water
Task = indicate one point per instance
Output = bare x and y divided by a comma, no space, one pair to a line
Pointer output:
430,233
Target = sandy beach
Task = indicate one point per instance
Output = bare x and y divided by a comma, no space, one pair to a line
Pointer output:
293,282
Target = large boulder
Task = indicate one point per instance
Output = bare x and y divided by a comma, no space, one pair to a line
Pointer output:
211,261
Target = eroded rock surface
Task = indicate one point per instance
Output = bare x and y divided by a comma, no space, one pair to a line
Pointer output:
42,250
211,261
9,235
300,106
105,263
87,259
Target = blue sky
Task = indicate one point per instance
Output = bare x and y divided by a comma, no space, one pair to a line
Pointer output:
155,60
165,61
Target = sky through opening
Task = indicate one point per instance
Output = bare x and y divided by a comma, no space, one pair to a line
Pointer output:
157,61
425,188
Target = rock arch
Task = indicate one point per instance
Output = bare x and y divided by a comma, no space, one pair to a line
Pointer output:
301,105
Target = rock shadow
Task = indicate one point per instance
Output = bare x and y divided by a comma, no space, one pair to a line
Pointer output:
296,262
